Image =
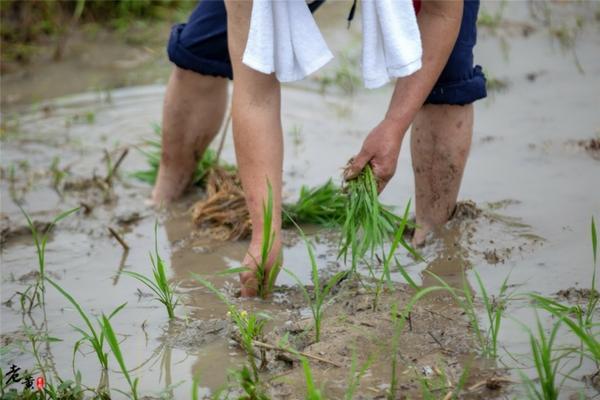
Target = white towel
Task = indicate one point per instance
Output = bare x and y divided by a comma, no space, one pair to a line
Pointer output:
285,39
391,41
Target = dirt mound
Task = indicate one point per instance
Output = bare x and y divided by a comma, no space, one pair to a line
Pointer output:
465,210
435,346
11,229
574,294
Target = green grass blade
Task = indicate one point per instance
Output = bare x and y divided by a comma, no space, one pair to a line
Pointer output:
594,240
75,304
111,338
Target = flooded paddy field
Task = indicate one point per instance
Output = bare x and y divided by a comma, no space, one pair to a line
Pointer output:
529,192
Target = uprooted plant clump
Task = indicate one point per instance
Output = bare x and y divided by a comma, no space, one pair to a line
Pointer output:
223,213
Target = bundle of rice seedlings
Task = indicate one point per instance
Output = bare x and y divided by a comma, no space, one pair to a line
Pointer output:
223,212
321,205
224,216
367,223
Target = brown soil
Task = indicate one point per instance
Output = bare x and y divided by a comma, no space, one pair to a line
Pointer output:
435,346
465,210
592,146
577,295
10,229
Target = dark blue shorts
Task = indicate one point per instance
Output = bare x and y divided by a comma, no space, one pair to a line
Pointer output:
200,45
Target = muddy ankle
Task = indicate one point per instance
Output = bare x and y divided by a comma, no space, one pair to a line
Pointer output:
420,236
170,186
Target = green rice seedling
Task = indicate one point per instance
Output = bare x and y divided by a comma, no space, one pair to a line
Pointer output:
58,174
355,375
195,383
268,240
594,298
462,381
395,339
66,390
579,321
494,308
320,292
321,205
54,386
545,385
488,340
398,322
115,348
367,222
312,392
577,325
252,389
206,162
36,338
250,325
40,240
385,276
164,290
432,388
94,336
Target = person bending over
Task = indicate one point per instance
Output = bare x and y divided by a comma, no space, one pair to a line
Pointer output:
436,100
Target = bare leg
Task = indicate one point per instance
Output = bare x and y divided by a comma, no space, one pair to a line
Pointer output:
258,138
440,143
192,115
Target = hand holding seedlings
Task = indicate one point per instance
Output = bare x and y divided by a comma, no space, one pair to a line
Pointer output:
368,223
380,150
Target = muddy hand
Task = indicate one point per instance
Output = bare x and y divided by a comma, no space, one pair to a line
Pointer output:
380,149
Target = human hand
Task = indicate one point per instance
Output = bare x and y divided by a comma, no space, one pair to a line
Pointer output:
381,149
249,279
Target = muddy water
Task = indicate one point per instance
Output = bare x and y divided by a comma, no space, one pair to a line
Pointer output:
537,188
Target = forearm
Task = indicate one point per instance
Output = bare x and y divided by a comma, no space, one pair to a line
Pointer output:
439,23
256,122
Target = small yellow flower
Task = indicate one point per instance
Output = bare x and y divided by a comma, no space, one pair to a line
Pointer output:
244,314
228,314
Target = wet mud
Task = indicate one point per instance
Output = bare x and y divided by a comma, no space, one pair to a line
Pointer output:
532,199
435,338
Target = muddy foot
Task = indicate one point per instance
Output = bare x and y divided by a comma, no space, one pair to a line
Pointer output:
421,236
171,183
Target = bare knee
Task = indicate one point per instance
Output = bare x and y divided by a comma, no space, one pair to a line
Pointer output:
196,82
